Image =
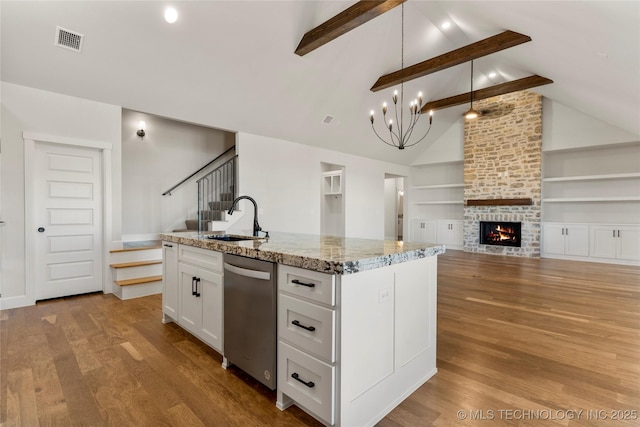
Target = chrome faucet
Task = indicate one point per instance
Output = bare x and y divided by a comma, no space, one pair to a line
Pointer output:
256,226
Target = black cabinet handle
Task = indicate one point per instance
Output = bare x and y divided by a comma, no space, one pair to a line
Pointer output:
197,283
168,246
614,233
308,285
40,229
300,325
296,377
618,233
193,285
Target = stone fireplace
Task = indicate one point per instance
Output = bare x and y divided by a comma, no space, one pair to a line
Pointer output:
502,171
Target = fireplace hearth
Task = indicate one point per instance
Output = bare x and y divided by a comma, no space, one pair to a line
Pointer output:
500,233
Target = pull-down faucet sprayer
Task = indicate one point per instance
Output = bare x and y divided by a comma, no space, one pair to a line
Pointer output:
256,226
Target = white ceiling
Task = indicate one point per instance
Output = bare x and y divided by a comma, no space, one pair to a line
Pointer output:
230,64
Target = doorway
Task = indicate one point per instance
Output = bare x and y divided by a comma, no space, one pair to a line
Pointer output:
393,207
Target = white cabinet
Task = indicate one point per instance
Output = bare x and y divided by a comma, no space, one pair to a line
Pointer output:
565,239
620,242
450,233
169,282
332,182
351,347
423,230
200,294
307,340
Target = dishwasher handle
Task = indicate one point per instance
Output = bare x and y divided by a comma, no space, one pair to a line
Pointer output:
254,274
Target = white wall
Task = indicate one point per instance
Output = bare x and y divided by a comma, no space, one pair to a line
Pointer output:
33,110
169,152
448,148
564,127
284,178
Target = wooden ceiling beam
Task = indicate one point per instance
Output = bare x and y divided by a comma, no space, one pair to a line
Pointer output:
500,89
344,22
464,54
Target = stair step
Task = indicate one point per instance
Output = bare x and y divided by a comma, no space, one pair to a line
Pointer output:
136,263
138,280
136,248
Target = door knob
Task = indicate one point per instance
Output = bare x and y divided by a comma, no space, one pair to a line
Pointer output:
40,229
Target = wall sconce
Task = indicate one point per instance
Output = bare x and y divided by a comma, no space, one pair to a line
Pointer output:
142,126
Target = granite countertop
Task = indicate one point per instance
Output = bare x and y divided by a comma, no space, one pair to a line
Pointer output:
326,254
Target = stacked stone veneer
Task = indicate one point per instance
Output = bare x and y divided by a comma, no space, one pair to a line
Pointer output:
502,160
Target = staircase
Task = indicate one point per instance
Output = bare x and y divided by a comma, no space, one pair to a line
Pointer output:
137,269
216,192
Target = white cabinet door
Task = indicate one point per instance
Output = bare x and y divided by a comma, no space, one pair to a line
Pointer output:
189,311
211,289
576,239
603,241
628,243
423,230
169,280
200,304
553,238
565,239
449,232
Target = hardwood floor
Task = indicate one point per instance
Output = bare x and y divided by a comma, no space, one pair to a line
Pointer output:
520,342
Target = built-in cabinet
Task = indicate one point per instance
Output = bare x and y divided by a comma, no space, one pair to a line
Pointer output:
332,200
589,196
193,291
565,239
437,204
443,231
615,243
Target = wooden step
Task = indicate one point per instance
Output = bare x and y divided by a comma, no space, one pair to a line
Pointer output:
137,248
138,281
136,263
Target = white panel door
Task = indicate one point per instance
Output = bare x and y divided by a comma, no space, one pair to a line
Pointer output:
68,218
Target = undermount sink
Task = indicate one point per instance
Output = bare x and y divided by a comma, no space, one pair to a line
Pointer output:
228,238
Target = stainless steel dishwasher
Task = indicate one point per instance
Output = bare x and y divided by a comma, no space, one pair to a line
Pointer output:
250,316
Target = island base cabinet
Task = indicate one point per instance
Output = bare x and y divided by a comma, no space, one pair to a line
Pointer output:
308,381
385,343
169,282
200,298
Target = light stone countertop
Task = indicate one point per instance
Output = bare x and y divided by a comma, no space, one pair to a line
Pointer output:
326,254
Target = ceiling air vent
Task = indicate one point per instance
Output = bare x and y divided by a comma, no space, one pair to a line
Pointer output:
327,119
68,39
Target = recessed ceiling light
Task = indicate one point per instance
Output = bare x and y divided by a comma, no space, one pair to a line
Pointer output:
445,25
492,74
170,15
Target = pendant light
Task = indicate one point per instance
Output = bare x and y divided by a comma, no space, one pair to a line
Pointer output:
471,114
400,137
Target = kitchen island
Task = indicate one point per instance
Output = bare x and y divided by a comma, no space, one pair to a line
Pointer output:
356,317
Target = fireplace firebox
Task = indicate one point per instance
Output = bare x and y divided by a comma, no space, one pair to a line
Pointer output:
500,233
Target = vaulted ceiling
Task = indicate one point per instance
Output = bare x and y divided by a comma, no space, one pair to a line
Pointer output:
232,64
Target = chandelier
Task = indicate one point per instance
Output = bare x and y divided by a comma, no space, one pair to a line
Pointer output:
400,136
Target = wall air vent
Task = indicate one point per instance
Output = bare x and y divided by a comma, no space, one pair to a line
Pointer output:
68,39
328,119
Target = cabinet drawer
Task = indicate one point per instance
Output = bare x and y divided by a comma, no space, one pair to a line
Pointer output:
309,284
297,317
317,395
211,260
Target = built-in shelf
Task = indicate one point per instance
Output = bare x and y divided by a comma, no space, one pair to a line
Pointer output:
593,177
427,187
440,202
591,199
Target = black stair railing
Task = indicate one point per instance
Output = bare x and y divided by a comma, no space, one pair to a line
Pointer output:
216,192
168,192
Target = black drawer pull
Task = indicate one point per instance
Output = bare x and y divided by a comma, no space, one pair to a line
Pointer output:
168,246
193,285
309,384
308,285
299,325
